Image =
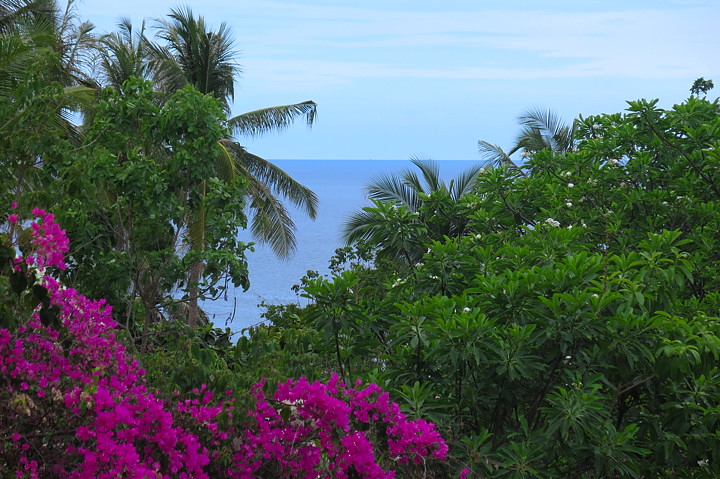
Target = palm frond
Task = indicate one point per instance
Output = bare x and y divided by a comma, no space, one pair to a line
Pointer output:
494,155
276,118
124,54
270,223
277,181
192,54
197,226
358,227
466,181
431,174
393,189
15,57
543,129
226,161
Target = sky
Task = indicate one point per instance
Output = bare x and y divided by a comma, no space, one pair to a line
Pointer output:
428,79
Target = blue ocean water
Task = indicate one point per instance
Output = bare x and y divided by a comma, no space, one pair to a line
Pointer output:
339,185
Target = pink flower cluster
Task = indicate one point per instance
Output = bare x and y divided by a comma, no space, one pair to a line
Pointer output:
313,430
327,430
75,405
50,241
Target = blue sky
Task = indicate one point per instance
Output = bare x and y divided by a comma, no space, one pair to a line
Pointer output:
395,79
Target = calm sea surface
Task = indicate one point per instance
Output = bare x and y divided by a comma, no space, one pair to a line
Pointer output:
339,185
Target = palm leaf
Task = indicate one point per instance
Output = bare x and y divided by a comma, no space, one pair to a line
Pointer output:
466,181
544,129
393,189
431,174
271,224
191,54
495,155
275,118
124,54
359,227
277,181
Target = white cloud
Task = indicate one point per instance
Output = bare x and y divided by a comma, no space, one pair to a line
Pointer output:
294,43
337,44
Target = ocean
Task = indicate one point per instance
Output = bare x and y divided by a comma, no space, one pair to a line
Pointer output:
339,185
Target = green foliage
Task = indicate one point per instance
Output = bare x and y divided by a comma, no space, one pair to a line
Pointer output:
569,328
150,187
130,197
407,210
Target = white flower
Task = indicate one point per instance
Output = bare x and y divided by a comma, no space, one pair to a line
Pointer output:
466,309
478,236
583,225
569,227
567,173
568,204
665,203
571,185
552,222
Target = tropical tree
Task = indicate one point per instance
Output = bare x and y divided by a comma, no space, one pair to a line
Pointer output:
540,130
189,53
409,208
44,52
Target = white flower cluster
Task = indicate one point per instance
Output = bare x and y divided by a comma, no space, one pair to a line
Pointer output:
552,222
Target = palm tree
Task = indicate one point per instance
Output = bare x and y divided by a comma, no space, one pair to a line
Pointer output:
189,53
124,54
40,41
192,54
540,130
398,199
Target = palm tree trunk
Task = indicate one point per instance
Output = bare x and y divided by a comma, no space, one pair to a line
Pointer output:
194,276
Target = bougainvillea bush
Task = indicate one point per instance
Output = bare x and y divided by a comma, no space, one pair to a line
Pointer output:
74,403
